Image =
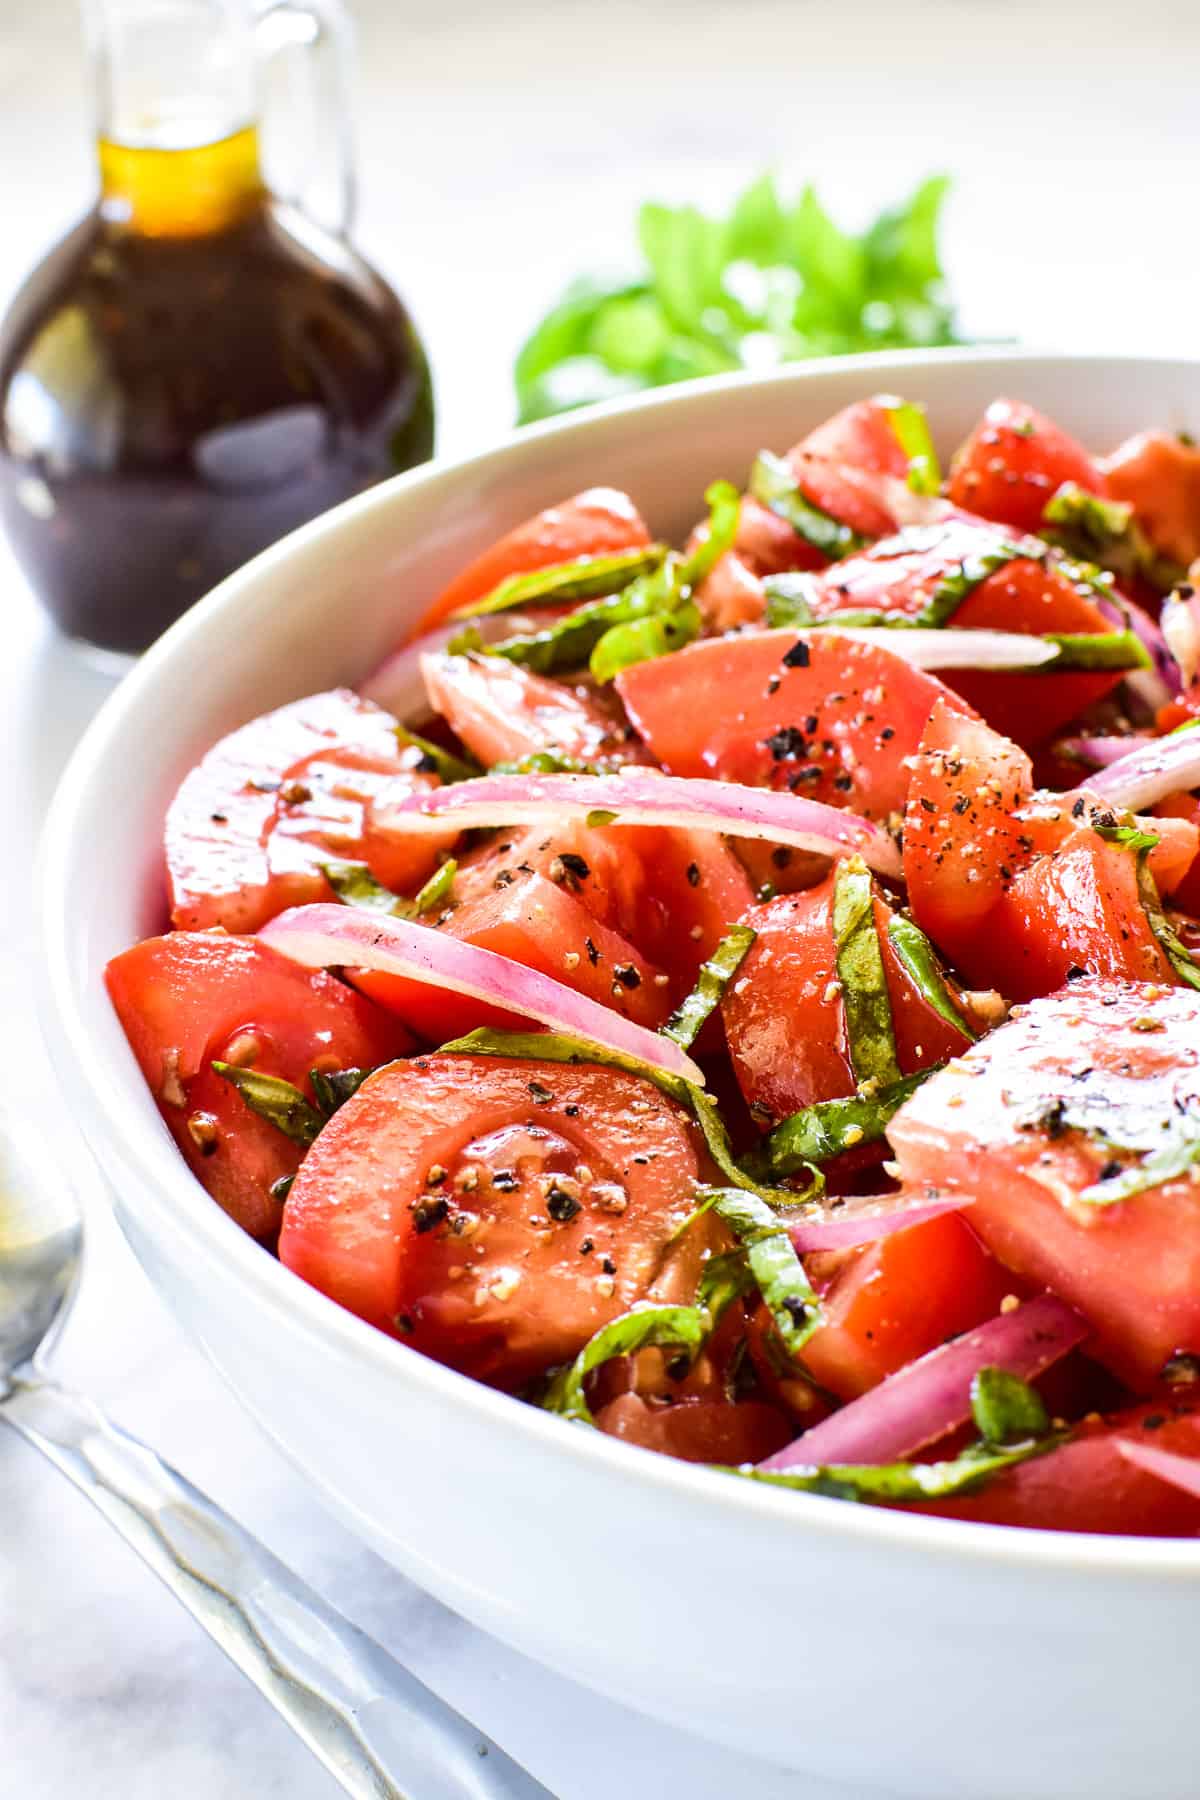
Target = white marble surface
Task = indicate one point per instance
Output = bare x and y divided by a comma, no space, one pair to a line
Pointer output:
503,147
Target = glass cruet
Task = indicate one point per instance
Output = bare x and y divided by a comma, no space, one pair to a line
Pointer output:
204,362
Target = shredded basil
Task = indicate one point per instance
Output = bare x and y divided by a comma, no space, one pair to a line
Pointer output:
598,817
1183,964
686,1022
1105,532
773,485
354,884
924,970
1094,650
910,427
1006,1409
778,1272
546,762
444,763
643,640
860,972
584,578
275,1100
822,1131
333,1090
724,511
681,1327
899,1482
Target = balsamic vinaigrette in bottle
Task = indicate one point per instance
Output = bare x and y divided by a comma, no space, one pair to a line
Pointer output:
194,371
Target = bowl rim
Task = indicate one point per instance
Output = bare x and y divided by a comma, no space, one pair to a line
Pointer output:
225,1251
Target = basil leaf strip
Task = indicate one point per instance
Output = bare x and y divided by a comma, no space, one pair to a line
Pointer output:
333,1090
435,760
773,485
883,1482
1094,650
910,428
1006,1409
822,1131
778,1272
920,960
686,1022
546,762
584,578
1172,1160
971,573
1182,962
1105,532
643,640
860,973
724,511
275,1100
354,884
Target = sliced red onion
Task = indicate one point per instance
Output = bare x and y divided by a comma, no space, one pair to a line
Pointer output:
922,1402
397,683
640,796
1101,751
864,1221
926,648
324,937
1180,623
1160,766
1182,1472
1154,686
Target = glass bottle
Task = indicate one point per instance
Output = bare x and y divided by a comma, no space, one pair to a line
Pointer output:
204,362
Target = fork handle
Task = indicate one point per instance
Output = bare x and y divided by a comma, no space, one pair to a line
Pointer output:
378,1730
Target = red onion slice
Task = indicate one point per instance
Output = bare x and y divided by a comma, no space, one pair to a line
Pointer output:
323,936
1158,767
640,796
1179,1471
865,1221
925,647
922,1402
1101,751
1160,683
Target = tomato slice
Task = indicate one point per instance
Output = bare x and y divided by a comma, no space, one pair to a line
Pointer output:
593,523
493,1214
250,826
732,592
892,1301
1087,1485
502,712
862,436
1182,883
1017,1123
903,574
503,901
1015,461
188,998
834,723
1158,474
706,1431
784,1014
961,843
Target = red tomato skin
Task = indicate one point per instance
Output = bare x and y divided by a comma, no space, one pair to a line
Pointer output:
1078,909
892,1301
250,825
703,1431
1184,887
862,437
783,1012
502,712
502,902
1087,1485
350,1228
184,999
715,708
1014,462
594,523
1159,476
960,835
1131,1268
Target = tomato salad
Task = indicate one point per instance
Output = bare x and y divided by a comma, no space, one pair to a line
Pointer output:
741,997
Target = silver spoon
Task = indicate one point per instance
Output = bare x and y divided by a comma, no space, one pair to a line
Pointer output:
376,1728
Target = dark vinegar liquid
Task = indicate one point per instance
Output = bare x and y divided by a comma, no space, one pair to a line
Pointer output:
182,386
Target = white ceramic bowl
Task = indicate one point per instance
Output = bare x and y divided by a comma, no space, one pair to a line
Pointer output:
928,1657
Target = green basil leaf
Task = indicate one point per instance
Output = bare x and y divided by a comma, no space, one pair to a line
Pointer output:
1105,532
448,767
1180,959
822,1131
1168,1163
716,1137
584,578
685,1023
778,1272
860,972
354,884
789,600
724,510
275,1100
437,889
560,343
920,959
546,762
568,642
898,1482
334,1089
1006,1409
773,485
680,1327
643,640
910,428
1094,650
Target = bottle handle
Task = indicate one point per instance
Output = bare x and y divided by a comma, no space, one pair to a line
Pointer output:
305,49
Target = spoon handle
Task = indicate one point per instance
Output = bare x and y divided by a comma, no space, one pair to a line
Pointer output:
376,1728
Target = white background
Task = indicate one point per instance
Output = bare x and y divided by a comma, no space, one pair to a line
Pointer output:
503,148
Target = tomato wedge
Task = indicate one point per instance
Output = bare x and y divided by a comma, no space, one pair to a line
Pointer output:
502,712
192,997
1158,474
1072,1092
593,523
705,1431
251,825
1015,461
825,716
784,1012
1087,1485
893,1301
493,1214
